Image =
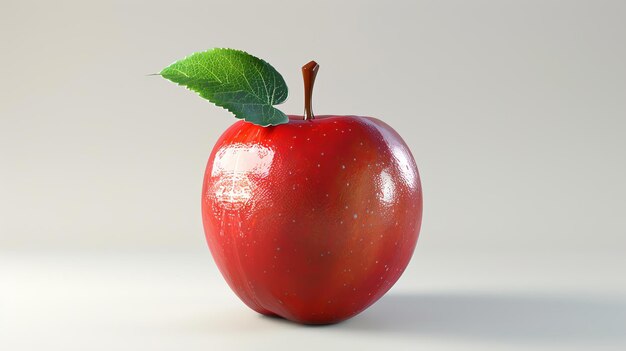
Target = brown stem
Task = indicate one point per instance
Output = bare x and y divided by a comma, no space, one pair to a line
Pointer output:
309,71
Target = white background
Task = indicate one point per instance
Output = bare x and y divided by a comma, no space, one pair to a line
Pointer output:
515,112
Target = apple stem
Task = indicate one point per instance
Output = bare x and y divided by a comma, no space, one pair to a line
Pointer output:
309,71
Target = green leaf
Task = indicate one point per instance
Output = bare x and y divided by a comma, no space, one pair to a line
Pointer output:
237,81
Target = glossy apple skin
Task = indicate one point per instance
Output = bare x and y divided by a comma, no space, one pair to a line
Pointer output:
315,220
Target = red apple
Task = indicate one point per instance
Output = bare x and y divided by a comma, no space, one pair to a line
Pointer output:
313,220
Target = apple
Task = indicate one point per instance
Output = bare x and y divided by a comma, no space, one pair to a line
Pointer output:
313,220
310,219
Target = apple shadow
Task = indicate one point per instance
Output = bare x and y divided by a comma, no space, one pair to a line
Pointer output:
503,317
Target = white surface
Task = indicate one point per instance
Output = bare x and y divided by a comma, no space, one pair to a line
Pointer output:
443,302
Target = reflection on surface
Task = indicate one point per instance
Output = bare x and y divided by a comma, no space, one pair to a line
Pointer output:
405,164
399,152
234,165
387,188
243,159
